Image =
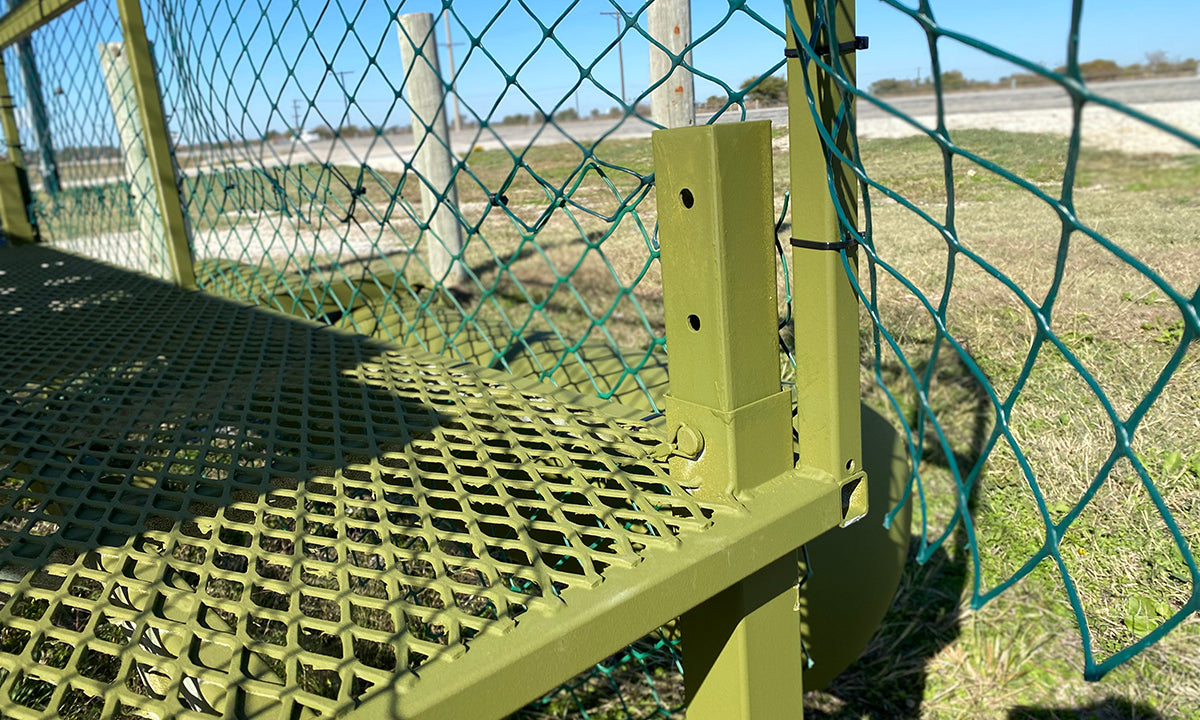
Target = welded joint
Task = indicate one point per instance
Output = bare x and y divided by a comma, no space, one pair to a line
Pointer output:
725,452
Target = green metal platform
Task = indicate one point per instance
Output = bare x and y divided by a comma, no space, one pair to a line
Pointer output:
215,510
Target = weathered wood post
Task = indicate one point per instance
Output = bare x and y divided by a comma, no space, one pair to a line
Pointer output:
118,81
434,161
673,103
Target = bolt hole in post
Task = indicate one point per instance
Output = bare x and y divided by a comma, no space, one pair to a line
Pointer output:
694,322
688,200
850,465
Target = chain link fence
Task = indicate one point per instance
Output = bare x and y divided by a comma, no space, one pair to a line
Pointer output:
340,162
506,218
1027,327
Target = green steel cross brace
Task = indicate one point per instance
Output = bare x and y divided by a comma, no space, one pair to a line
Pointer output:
157,139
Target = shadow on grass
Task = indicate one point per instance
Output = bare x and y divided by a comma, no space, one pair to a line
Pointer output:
1113,708
889,678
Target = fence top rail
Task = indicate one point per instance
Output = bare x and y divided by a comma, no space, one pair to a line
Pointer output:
20,22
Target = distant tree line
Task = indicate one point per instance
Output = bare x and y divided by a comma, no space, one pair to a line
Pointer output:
762,89
326,132
1157,64
568,115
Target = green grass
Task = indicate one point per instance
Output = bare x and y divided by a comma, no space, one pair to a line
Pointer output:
1020,655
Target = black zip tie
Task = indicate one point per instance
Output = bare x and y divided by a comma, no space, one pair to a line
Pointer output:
860,42
846,245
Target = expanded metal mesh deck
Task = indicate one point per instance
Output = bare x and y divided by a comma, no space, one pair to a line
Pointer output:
213,508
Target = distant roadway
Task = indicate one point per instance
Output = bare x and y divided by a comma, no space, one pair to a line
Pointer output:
1129,92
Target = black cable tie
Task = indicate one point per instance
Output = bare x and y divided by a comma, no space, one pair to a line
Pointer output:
847,245
860,42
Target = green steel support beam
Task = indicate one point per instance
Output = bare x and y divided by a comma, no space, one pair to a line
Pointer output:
8,118
157,141
21,21
729,420
14,182
554,643
828,413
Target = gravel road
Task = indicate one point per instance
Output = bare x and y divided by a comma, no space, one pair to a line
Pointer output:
1175,101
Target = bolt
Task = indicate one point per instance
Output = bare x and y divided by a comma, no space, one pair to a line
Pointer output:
689,442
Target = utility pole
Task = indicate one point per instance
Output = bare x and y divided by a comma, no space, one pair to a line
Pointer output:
440,229
673,101
453,89
345,94
620,55
296,115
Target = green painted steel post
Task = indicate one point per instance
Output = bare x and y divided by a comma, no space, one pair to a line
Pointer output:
14,205
39,121
727,416
14,182
157,141
8,118
716,233
828,415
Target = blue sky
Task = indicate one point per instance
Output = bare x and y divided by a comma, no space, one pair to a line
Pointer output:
743,47
293,52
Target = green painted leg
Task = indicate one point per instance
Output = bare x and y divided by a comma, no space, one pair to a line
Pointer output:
741,650
14,216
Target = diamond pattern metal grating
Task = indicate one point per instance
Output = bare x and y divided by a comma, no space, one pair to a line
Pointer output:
210,509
